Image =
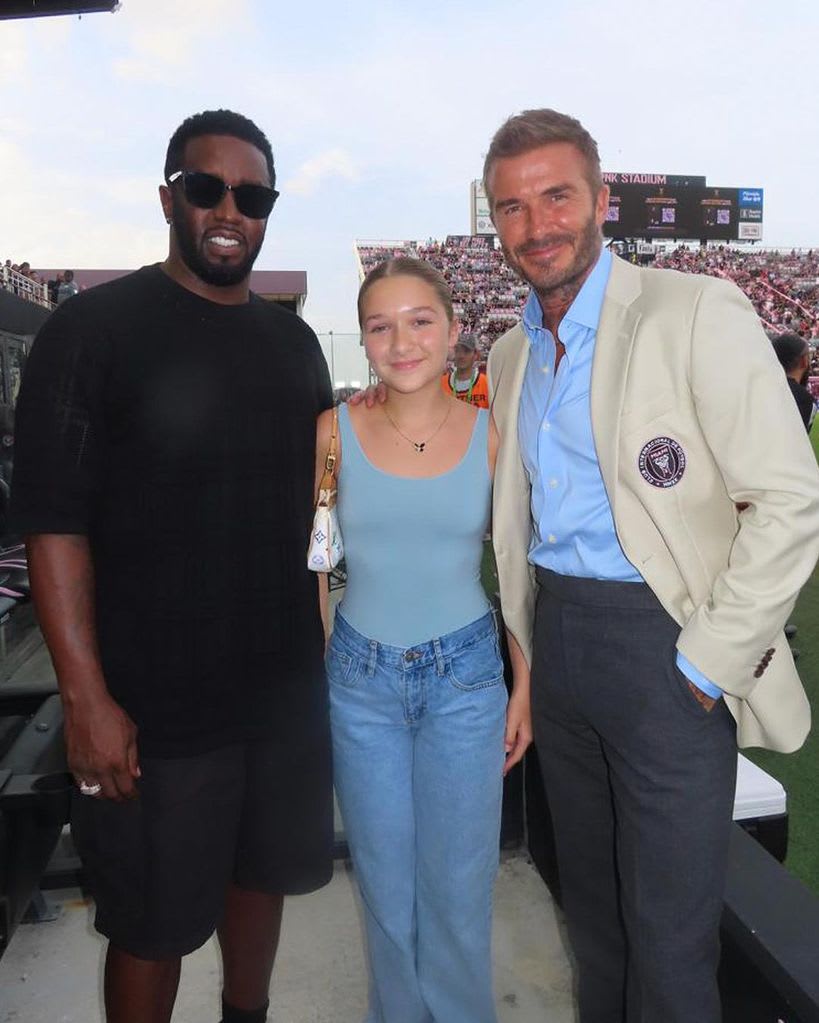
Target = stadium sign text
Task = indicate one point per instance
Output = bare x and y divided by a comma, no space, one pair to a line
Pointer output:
612,178
630,178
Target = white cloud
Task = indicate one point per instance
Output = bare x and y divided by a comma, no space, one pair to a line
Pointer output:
402,99
162,36
14,163
66,215
85,241
133,69
128,191
23,46
13,56
332,163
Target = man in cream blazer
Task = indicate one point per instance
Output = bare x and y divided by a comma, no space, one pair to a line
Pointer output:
644,679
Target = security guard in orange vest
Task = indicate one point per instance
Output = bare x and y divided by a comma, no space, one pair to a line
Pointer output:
467,381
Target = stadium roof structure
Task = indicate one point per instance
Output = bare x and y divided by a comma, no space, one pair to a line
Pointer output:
10,9
17,316
288,287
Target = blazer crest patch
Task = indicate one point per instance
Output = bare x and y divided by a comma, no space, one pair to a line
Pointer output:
662,462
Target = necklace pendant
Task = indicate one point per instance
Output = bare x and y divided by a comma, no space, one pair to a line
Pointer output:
419,447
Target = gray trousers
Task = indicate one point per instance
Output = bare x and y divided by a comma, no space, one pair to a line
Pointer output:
640,780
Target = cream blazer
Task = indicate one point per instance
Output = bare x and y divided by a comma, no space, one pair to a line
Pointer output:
691,415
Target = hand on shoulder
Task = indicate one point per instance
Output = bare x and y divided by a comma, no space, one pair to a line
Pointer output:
374,394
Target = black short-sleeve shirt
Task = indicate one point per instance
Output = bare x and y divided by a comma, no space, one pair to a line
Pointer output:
179,436
804,402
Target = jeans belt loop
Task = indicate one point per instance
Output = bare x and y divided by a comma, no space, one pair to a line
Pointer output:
371,662
439,656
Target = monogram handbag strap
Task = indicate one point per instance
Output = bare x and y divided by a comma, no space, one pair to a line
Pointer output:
328,480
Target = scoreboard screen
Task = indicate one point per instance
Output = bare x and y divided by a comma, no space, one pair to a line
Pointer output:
667,206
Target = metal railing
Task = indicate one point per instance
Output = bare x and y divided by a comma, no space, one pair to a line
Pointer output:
346,360
32,291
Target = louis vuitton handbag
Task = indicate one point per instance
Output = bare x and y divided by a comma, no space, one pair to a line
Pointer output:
326,547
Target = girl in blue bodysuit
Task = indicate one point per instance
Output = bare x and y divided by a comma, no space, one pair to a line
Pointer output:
422,732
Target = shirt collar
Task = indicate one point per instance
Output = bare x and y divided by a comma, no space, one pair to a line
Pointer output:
587,304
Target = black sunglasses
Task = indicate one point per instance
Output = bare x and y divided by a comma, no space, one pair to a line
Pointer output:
206,191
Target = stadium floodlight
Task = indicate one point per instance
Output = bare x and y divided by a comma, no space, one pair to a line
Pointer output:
49,8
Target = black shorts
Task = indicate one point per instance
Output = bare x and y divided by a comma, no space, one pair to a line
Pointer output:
258,814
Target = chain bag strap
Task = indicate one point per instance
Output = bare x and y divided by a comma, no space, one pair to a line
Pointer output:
326,548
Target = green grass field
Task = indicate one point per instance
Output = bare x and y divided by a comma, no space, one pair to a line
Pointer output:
798,772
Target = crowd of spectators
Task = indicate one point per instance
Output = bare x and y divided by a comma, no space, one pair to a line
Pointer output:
783,286
21,280
488,296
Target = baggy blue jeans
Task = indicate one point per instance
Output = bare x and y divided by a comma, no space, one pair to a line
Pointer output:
418,757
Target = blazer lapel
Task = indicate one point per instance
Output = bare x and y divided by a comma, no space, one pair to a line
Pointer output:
508,385
612,351
519,371
510,464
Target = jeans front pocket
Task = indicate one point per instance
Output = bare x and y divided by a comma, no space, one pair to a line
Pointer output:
342,668
477,665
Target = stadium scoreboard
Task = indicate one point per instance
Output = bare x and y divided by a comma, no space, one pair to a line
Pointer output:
479,220
657,206
676,206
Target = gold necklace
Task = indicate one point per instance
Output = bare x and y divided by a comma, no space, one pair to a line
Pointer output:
419,446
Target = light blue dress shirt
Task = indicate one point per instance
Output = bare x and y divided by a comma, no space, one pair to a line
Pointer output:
573,530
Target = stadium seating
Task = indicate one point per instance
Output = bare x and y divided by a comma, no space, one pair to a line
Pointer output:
784,287
487,295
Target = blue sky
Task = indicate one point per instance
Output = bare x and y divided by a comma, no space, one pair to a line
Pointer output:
380,113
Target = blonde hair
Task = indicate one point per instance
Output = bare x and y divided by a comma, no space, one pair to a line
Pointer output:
406,266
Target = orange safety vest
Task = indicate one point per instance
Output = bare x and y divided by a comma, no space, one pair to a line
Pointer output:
477,394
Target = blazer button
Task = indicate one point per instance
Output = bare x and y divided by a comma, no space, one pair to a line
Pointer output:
770,651
758,673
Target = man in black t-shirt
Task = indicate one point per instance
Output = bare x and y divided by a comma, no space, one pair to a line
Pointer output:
164,482
793,353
